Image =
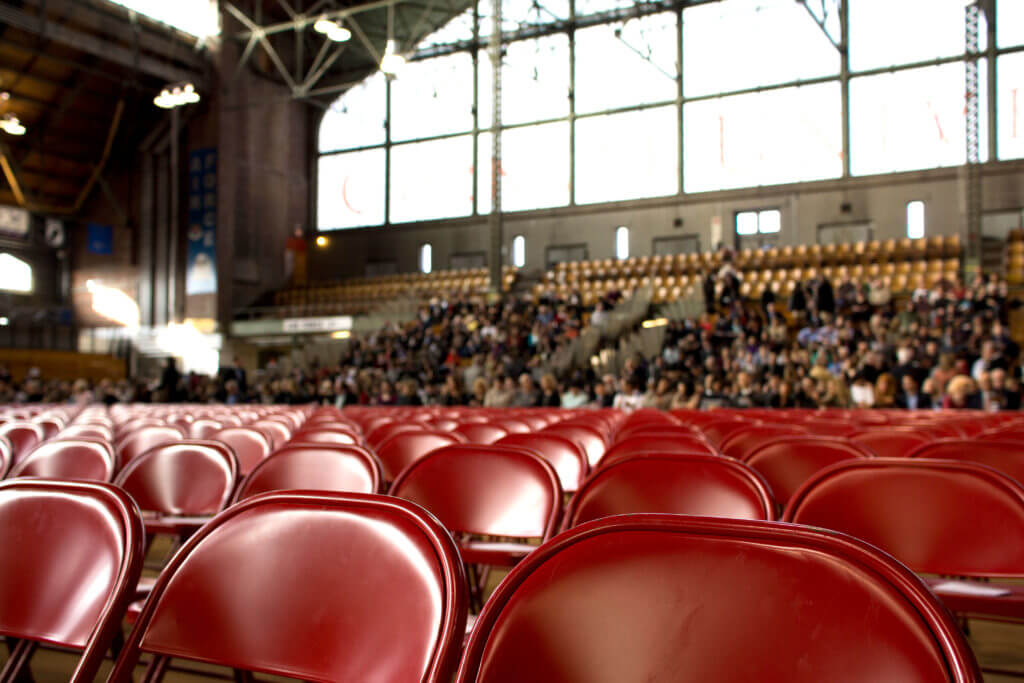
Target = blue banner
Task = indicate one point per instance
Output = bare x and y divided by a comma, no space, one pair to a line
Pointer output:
101,239
201,259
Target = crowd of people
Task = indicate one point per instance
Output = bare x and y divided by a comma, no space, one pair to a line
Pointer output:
849,346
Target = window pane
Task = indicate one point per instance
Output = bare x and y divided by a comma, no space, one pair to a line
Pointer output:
738,44
915,220
911,120
200,18
534,82
433,97
585,7
746,223
535,168
880,33
15,274
1011,106
622,243
769,221
356,119
1009,23
618,65
350,190
426,258
432,179
777,136
519,251
457,30
627,156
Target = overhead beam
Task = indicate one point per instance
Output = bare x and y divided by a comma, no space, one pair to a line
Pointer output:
98,47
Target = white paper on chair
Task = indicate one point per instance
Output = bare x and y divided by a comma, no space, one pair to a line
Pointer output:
970,588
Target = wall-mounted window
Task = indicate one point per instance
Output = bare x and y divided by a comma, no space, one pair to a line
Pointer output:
622,243
15,274
763,222
426,258
518,251
915,220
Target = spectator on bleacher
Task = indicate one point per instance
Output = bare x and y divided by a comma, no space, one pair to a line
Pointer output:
549,395
985,361
478,395
501,392
630,397
824,297
885,391
574,396
961,394
527,396
798,302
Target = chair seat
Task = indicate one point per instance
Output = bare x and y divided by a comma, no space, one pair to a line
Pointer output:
494,554
988,599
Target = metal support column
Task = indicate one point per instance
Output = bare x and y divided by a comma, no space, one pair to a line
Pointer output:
387,154
476,109
173,241
972,184
572,104
145,243
680,101
495,261
844,81
991,66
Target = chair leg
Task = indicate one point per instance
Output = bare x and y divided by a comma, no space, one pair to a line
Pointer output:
17,668
117,643
243,676
156,669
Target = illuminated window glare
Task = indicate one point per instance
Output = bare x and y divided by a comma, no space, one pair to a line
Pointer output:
15,274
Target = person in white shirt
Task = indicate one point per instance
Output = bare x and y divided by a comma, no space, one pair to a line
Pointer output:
629,398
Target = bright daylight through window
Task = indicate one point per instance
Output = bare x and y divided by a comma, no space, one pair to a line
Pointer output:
592,114
197,17
15,275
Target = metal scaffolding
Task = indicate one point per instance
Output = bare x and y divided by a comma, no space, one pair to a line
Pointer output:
495,260
972,181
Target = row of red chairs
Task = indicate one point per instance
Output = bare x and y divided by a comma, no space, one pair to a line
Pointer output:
349,587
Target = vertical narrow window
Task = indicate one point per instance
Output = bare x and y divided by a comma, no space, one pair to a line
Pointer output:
426,258
519,251
622,243
915,220
765,222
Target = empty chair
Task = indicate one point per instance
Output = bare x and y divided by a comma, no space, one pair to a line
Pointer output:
383,432
486,491
23,437
742,442
567,457
314,467
325,435
51,425
513,426
278,432
404,448
140,440
6,455
88,459
179,482
718,431
1005,456
685,484
656,443
88,431
788,462
341,587
481,433
251,445
588,437
891,442
71,556
203,428
657,597
943,517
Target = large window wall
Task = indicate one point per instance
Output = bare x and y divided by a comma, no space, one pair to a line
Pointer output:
609,100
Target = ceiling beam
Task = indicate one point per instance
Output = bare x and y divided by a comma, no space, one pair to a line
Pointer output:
95,46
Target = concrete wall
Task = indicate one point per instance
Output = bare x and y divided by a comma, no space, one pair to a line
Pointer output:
881,200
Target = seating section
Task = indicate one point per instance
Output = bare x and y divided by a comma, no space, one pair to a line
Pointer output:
677,276
679,495
361,295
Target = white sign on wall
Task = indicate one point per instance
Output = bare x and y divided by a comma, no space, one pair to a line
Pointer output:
326,324
14,221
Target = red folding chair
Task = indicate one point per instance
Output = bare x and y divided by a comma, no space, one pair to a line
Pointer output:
656,443
1005,456
481,433
6,456
204,428
71,556
589,438
891,442
742,442
314,467
142,439
341,587
23,437
404,448
85,459
335,436
567,457
250,445
684,484
493,491
655,597
278,432
943,517
788,462
87,431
